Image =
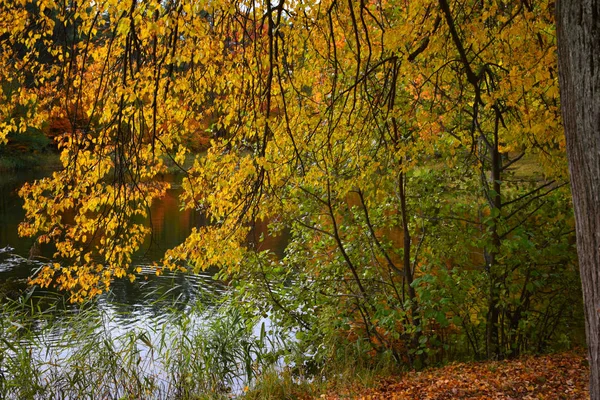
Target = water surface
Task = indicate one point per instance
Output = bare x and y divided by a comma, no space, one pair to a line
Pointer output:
151,304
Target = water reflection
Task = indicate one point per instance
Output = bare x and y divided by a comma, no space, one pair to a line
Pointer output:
146,302
11,212
152,305
170,227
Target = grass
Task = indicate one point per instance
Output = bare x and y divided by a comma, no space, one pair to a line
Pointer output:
347,369
527,168
52,353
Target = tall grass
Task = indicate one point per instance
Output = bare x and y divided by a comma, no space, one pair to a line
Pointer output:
53,352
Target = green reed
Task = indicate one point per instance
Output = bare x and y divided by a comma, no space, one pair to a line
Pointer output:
48,350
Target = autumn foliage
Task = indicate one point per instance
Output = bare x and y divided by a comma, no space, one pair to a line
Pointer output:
557,376
411,152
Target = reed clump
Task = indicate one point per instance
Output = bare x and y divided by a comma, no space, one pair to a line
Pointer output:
49,350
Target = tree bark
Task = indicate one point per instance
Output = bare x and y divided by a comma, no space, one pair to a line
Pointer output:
578,29
494,349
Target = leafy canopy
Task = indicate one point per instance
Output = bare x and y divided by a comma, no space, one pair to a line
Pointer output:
384,137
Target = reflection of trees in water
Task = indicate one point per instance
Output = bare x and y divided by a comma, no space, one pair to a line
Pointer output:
14,271
170,226
11,212
148,302
260,239
12,288
149,296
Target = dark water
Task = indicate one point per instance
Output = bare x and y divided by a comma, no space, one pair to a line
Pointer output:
170,227
148,304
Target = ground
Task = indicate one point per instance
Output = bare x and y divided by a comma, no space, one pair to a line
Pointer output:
556,376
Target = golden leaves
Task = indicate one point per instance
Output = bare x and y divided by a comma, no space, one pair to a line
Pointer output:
307,99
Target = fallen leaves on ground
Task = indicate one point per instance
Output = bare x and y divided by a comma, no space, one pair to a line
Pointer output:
556,376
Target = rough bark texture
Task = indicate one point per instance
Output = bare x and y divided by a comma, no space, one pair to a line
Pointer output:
578,24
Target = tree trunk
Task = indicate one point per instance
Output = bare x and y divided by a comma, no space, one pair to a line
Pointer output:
578,25
494,350
409,272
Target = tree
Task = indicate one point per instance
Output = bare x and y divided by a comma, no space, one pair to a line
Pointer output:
389,150
579,67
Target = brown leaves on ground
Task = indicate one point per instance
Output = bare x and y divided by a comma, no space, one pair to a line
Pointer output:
557,376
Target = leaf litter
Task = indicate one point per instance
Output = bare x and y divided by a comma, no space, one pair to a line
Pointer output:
554,376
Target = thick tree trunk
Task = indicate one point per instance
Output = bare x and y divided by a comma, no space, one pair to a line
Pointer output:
578,24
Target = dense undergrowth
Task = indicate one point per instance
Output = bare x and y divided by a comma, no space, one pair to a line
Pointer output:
52,350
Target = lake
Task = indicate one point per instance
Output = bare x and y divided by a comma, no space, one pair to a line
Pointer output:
150,309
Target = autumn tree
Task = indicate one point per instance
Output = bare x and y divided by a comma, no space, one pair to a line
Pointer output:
579,62
385,138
